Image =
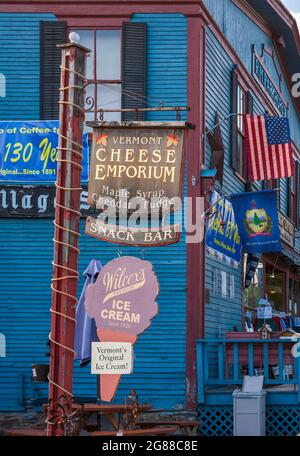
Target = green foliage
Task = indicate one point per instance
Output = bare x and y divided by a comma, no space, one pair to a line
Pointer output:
256,219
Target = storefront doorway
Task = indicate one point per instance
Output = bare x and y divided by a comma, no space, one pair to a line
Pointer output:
276,281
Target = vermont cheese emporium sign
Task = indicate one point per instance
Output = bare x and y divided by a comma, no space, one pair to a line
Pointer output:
136,160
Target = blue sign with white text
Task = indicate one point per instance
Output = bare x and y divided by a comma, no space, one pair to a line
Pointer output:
222,232
257,218
28,151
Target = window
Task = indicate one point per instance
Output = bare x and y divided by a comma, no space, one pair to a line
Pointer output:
292,207
231,287
215,281
273,184
223,284
256,289
297,185
275,288
241,109
104,66
293,297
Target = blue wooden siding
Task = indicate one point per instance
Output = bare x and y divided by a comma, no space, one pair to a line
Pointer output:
22,314
166,60
221,313
20,64
27,250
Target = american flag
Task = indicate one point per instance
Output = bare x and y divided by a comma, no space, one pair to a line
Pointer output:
268,147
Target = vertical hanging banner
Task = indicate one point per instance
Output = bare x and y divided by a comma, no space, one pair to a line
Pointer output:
136,167
222,231
28,151
257,218
123,302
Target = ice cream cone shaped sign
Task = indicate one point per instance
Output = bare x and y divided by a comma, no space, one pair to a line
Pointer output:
122,301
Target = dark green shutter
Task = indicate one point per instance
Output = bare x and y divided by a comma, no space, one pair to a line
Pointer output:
234,128
51,34
250,103
250,110
134,50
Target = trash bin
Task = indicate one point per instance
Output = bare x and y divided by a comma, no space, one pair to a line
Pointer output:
249,413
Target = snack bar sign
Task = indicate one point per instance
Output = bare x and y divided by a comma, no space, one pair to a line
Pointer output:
136,162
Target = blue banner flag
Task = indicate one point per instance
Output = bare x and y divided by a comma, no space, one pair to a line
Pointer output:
221,230
257,218
28,151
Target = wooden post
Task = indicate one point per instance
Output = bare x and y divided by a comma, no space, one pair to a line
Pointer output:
67,218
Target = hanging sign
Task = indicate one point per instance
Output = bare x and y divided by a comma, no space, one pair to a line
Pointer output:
122,302
262,76
125,235
287,229
123,296
34,201
264,312
136,165
28,151
257,218
222,231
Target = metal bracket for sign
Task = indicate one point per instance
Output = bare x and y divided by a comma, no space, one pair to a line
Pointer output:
208,131
90,102
128,124
209,212
177,109
235,114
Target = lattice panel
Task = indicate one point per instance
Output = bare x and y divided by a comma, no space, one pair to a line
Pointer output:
218,421
282,421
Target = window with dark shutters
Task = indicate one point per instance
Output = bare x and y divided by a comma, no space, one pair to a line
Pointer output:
250,110
292,198
51,34
273,184
134,49
297,175
234,126
250,103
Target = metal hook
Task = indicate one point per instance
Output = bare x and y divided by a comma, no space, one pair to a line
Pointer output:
101,115
178,114
143,254
119,252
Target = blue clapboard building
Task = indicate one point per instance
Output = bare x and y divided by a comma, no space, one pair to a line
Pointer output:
218,57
